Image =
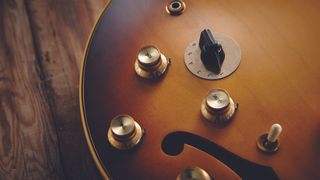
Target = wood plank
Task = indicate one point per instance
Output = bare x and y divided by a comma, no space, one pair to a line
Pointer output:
28,140
61,29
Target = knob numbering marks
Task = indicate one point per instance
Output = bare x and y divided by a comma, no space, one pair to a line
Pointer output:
192,59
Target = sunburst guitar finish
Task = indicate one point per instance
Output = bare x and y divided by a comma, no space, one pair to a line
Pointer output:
154,128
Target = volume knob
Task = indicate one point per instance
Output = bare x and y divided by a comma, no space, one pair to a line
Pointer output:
194,173
124,132
218,106
151,63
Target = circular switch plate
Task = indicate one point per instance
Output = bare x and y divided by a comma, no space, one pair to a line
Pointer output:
231,62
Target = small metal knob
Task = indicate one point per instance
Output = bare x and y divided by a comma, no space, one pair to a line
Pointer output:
218,106
150,63
124,132
194,173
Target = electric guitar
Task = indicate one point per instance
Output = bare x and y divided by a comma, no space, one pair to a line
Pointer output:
203,89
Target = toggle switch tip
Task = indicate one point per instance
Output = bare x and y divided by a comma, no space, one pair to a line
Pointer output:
269,142
274,132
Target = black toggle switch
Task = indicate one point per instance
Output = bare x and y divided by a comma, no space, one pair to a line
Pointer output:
212,54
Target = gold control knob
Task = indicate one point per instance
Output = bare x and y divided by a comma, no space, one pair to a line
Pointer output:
218,107
194,173
150,63
124,132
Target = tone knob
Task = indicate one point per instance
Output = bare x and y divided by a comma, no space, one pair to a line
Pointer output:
151,63
218,106
124,132
194,173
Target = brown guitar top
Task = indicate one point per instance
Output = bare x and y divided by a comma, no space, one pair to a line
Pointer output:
278,81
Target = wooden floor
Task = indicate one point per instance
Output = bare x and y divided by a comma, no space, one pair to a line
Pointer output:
41,48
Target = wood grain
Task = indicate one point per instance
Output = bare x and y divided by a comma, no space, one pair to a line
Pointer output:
29,145
41,48
61,29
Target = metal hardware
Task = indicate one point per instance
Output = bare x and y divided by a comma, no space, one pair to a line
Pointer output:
269,142
194,173
151,63
176,7
218,106
124,132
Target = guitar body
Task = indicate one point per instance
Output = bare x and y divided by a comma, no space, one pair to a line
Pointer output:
278,81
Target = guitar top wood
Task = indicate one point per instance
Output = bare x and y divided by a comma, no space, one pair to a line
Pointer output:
277,82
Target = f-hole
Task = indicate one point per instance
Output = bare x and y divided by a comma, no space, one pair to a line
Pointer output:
173,145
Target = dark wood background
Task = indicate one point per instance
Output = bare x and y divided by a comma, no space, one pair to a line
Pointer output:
41,49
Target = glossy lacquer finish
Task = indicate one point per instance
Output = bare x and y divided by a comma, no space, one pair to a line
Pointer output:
276,82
